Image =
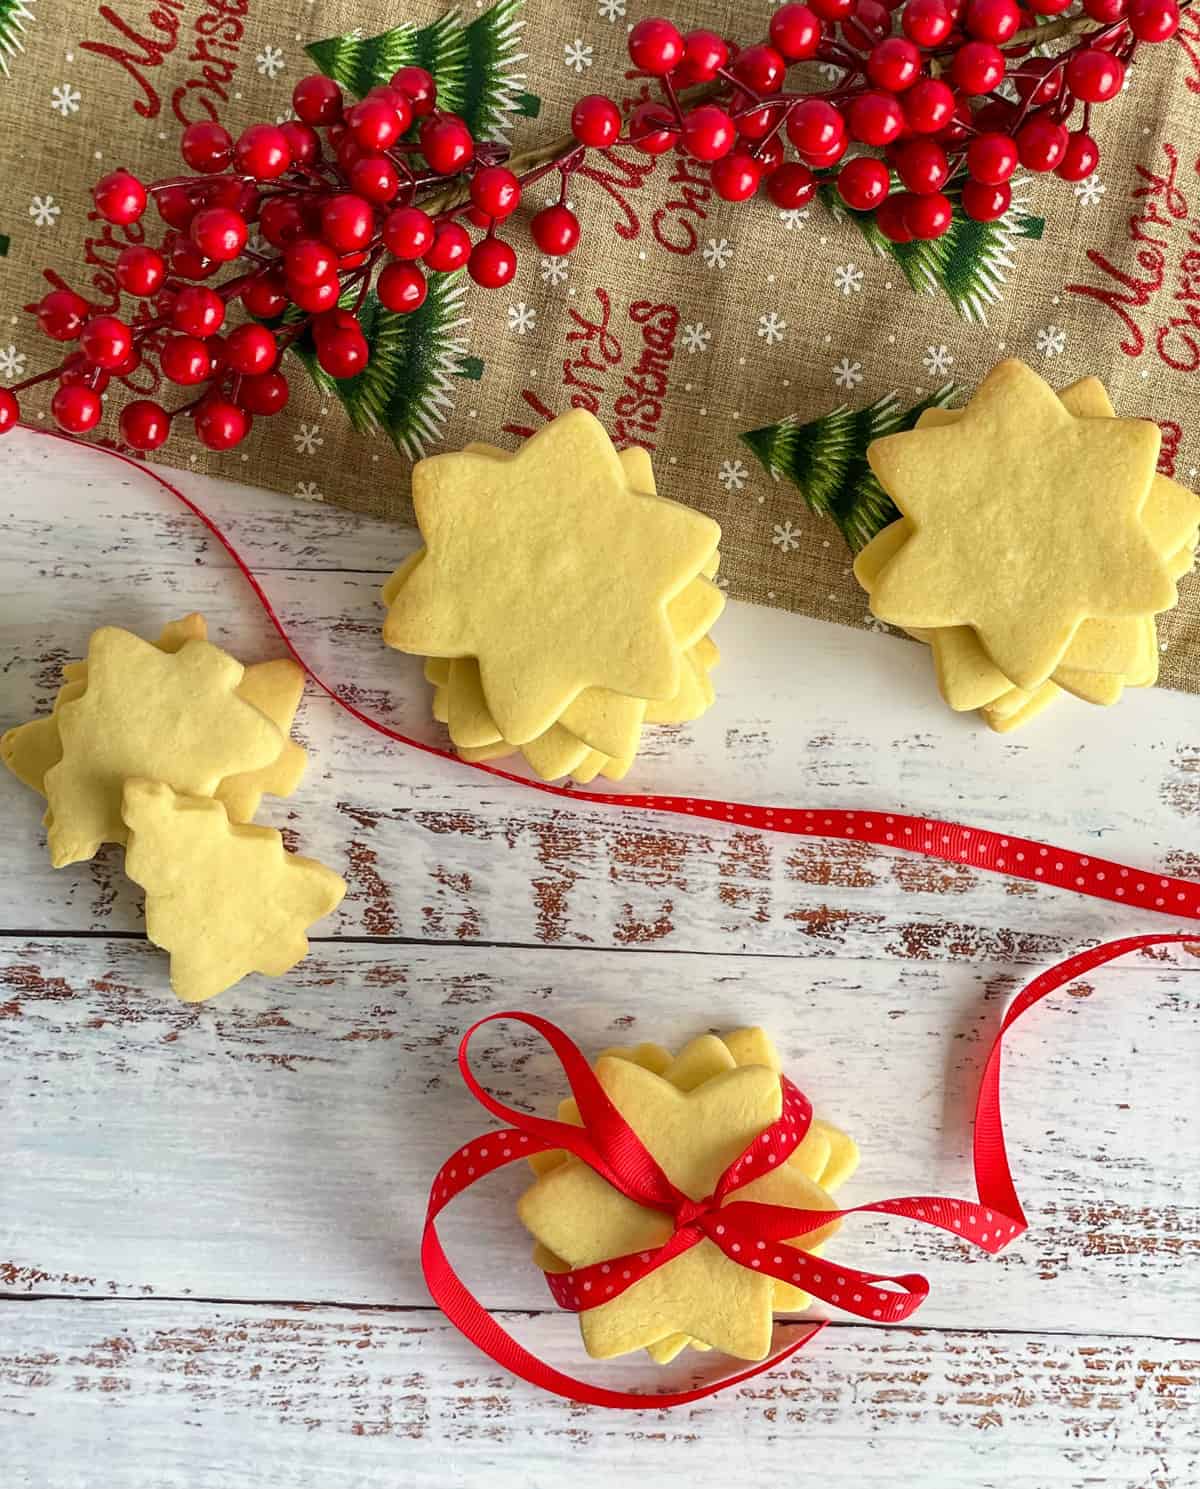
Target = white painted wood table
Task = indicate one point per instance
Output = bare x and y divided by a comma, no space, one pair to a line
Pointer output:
209,1215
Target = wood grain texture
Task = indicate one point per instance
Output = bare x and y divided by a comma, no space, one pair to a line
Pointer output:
175,1180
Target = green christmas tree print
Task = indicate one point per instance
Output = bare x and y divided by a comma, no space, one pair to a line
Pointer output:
969,264
15,16
826,459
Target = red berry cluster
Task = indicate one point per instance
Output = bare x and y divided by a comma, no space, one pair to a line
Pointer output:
340,192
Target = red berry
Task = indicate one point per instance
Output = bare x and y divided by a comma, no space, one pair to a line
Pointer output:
402,287
875,118
894,64
281,221
347,222
314,298
377,124
889,219
61,314
140,270
10,411
978,67
1106,11
446,144
197,311
929,106
218,233
175,206
144,425
704,53
769,154
992,158
76,408
343,352
656,47
736,177
495,190
555,229
863,183
408,232
1039,81
796,32
206,147
831,10
922,165
1048,7
757,124
596,121
106,341
652,128
830,157
791,186
1080,158
267,394
993,20
262,152
928,216
119,197
492,263
761,68
927,22
708,132
317,100
304,143
1095,76
869,23
418,86
250,350
986,203
450,249
185,360
959,127
374,177
815,126
1041,143
265,295
220,424
1153,20
189,263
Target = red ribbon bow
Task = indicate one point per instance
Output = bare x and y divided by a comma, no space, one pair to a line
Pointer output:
749,1233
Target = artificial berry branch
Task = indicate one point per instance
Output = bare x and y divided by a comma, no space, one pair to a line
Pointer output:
376,195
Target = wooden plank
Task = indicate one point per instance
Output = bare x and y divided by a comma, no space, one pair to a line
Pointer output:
209,1397
279,1143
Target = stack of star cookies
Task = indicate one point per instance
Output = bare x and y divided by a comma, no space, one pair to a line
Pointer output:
1037,545
695,1112
168,748
560,603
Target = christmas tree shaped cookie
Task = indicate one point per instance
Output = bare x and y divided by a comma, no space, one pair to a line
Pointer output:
572,561
1054,540
224,900
695,1113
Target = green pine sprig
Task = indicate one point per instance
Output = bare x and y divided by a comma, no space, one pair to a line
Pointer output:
15,17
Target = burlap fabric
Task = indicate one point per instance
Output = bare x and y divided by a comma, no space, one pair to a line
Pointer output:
680,320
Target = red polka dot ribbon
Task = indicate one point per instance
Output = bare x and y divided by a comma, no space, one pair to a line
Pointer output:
750,1233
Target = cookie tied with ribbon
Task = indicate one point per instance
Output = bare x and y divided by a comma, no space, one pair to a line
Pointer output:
1037,545
561,604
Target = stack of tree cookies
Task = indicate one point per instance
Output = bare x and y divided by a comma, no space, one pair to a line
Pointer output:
560,603
1037,545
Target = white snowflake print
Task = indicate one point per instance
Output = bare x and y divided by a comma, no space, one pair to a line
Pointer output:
717,252
785,537
1089,191
554,269
522,318
771,328
848,374
937,360
12,363
44,210
696,337
831,73
733,475
65,100
1051,341
848,278
309,491
577,54
610,10
793,218
307,439
270,61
